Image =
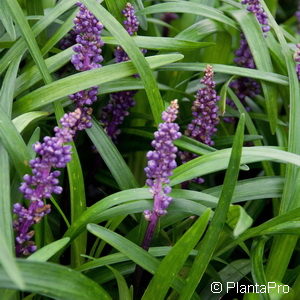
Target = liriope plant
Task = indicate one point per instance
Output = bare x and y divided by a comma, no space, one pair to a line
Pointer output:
149,149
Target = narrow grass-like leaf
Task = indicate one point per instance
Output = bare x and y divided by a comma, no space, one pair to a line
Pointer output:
22,121
48,251
7,21
54,281
290,197
141,18
8,264
231,70
78,82
78,204
257,270
112,157
6,100
162,43
20,46
210,240
60,33
115,8
124,292
28,36
218,160
31,76
13,143
142,66
133,251
173,262
189,8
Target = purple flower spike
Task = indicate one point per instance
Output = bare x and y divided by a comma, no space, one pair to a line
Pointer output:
205,111
131,22
26,218
161,161
256,8
114,113
88,51
297,60
205,116
53,152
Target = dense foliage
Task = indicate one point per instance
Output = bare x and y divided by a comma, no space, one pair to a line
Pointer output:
149,149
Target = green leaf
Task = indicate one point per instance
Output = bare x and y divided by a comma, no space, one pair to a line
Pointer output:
78,204
7,20
189,8
6,100
253,188
32,75
162,43
134,53
8,265
54,281
22,121
124,292
208,244
14,144
46,252
218,160
78,82
291,191
112,157
28,36
115,8
133,251
257,270
175,259
59,34
231,70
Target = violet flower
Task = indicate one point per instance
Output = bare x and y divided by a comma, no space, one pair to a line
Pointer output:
53,153
114,113
205,116
161,163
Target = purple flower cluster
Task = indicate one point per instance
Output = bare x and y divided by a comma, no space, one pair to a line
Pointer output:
53,153
114,113
248,87
131,22
205,116
256,8
161,162
297,60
